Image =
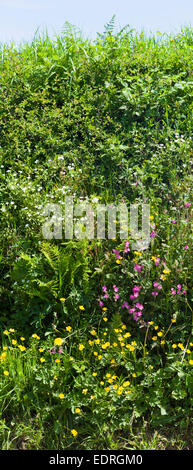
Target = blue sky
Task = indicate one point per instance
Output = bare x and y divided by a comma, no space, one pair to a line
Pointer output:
20,18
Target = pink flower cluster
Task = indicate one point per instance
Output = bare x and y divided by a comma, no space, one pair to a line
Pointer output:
138,268
157,287
126,249
178,290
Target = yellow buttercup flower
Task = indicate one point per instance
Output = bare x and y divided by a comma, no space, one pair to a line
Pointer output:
81,347
35,336
81,307
68,328
58,341
77,410
74,432
6,372
61,396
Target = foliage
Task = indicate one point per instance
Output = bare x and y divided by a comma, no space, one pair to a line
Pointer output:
104,121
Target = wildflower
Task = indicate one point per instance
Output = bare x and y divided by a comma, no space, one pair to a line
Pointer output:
105,319
61,396
153,234
41,350
57,361
126,384
6,332
166,271
81,347
94,374
107,389
104,288
81,307
22,338
6,372
58,341
85,390
42,359
174,346
11,330
138,268
154,338
68,328
77,410
35,336
62,299
22,348
93,332
74,432
191,362
14,342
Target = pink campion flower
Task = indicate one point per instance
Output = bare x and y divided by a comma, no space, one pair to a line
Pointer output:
184,292
104,288
187,204
137,315
132,296
179,286
157,261
186,247
137,288
116,297
125,305
132,310
173,291
157,285
127,249
139,306
153,234
173,221
154,293
138,268
115,288
117,253
106,296
101,303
